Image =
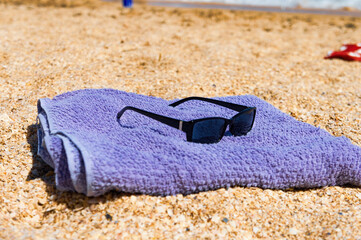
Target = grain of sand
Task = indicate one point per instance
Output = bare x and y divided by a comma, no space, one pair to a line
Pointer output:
173,53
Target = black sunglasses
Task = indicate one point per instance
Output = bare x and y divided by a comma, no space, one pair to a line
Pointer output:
206,130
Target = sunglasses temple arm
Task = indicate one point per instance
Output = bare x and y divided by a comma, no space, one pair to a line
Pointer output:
163,119
232,106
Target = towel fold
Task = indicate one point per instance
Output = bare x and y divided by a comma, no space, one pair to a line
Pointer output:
92,153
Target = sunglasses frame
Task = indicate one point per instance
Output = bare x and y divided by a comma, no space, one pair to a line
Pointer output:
187,126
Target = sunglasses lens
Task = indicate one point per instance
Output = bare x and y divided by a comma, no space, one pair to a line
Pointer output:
208,131
242,123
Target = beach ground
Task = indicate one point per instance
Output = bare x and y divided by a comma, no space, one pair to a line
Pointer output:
173,53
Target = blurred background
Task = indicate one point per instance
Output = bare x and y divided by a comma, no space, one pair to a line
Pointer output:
318,4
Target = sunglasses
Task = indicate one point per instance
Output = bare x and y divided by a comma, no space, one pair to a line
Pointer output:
206,130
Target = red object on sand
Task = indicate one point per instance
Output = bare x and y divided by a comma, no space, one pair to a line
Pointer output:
349,52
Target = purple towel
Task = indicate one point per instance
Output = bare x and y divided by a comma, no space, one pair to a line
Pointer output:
92,153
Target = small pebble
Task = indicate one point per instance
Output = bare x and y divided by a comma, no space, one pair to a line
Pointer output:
108,217
293,231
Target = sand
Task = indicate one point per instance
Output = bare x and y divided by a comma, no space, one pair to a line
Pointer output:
173,53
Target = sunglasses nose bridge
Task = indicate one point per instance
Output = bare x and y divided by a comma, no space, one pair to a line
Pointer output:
231,122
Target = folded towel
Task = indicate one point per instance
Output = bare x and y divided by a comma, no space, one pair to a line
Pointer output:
92,153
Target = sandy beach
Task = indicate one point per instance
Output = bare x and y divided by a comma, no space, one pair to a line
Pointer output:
50,48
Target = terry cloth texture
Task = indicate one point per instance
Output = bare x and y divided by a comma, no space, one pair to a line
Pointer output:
92,153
